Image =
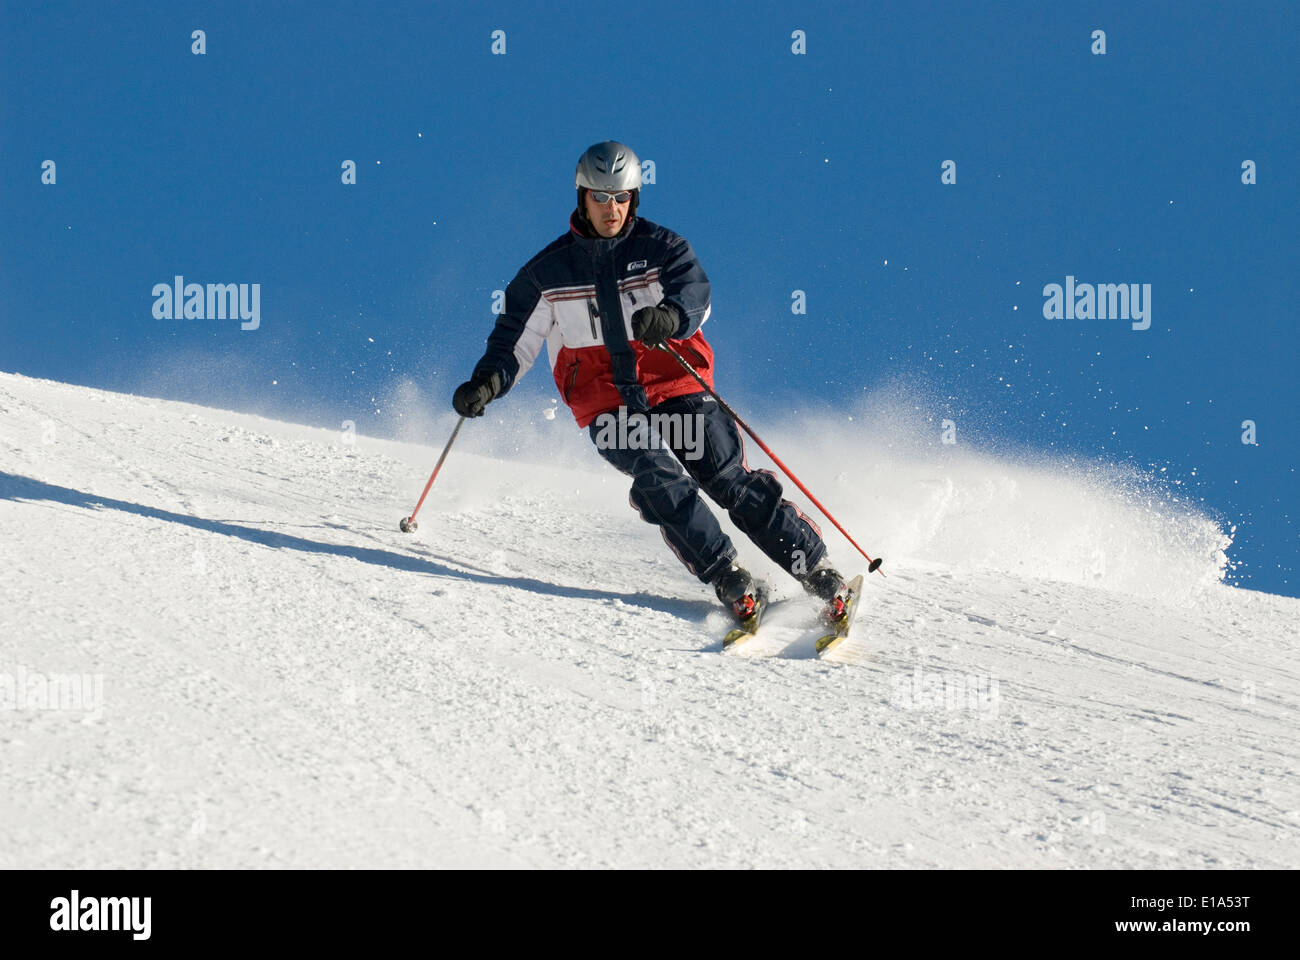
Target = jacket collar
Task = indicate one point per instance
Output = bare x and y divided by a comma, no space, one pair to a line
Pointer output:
579,229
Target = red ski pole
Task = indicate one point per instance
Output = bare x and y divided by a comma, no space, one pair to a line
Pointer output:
408,524
872,565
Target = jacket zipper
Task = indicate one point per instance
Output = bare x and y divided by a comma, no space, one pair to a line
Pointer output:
573,379
699,360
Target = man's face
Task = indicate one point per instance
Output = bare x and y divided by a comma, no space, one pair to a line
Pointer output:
608,218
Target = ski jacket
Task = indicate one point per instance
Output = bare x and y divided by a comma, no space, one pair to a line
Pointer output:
578,296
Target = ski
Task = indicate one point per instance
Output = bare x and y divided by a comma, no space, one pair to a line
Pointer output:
749,625
852,593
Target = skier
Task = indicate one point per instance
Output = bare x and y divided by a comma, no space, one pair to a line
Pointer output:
605,296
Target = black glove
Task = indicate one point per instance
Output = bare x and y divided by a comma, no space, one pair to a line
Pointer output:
653,325
476,393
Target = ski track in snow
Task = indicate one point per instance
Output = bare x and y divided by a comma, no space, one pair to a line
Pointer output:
288,681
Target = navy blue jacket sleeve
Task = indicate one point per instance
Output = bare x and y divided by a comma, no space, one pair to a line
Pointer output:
505,351
685,286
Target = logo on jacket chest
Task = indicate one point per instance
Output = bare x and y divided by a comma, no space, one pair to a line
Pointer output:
638,265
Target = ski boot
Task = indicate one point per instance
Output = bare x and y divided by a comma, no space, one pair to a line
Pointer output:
735,587
747,599
825,582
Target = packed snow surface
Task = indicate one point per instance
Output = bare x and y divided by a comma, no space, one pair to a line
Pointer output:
217,650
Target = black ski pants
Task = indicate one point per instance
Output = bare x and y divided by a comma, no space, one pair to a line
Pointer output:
687,445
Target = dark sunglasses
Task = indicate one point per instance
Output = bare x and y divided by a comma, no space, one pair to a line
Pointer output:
622,196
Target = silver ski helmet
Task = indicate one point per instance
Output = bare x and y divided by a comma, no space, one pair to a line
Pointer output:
608,166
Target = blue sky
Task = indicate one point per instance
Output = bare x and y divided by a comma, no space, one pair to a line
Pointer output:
817,172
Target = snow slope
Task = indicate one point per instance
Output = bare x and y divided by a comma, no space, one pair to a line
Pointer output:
257,669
